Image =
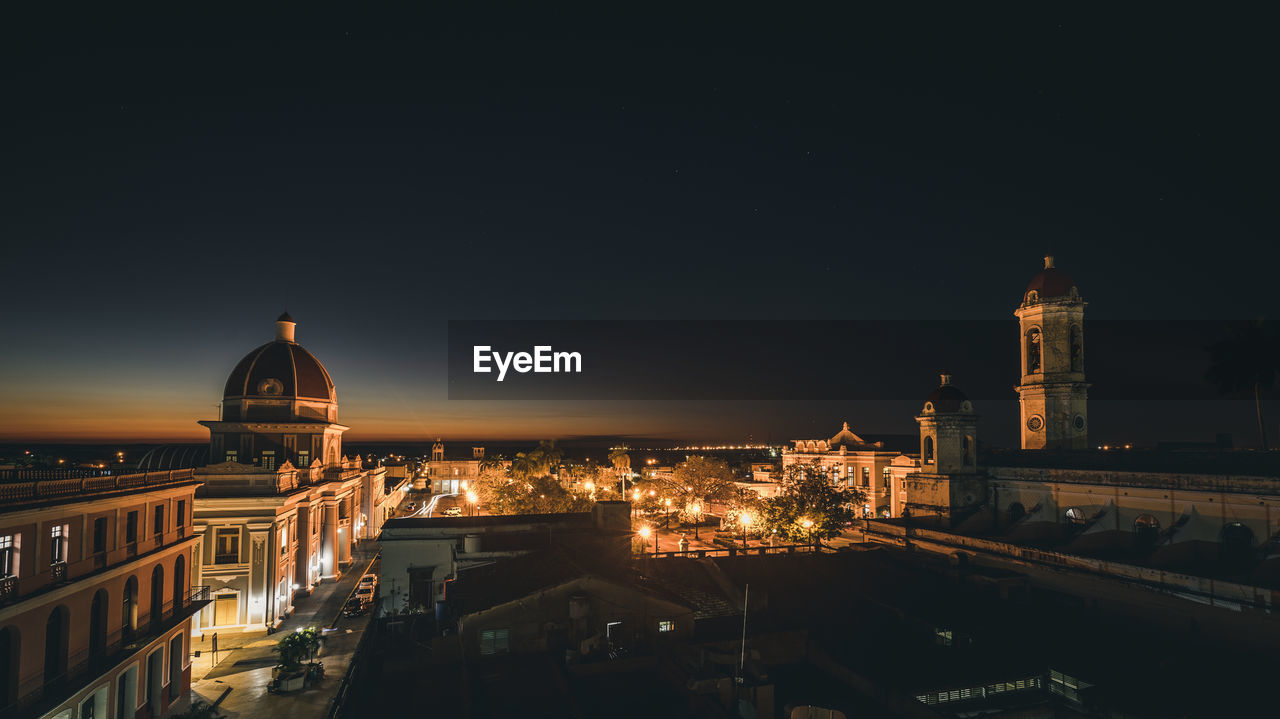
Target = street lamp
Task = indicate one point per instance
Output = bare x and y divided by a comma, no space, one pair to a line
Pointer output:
644,538
472,498
696,511
745,520
808,525
667,522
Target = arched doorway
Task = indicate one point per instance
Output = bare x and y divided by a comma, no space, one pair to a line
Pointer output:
98,626
129,608
157,595
1146,530
10,645
56,633
179,582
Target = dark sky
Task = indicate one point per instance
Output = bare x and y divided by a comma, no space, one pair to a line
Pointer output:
172,182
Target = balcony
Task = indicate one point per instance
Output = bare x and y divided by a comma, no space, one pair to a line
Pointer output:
38,696
58,572
8,587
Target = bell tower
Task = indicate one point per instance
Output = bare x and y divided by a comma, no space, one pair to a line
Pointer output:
949,485
1053,393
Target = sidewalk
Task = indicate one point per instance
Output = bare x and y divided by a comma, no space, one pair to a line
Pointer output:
245,659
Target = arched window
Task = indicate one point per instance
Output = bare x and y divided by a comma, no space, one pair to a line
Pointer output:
1075,515
157,595
98,625
1077,349
56,634
1017,511
10,645
1146,529
967,446
179,581
1033,350
129,607
928,450
1236,543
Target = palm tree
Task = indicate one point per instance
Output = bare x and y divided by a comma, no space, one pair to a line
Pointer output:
621,463
1247,361
549,456
523,466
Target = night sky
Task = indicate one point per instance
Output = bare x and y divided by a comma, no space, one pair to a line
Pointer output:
173,183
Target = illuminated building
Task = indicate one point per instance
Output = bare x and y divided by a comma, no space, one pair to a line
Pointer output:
282,507
95,594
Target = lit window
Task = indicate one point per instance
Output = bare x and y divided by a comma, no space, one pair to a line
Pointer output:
269,459
667,626
495,641
942,637
227,547
284,540
8,556
232,456
57,543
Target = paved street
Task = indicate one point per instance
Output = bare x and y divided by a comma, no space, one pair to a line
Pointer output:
245,659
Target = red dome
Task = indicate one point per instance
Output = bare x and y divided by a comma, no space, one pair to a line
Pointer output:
1051,282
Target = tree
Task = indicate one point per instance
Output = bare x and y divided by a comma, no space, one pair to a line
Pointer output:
807,495
700,479
1247,362
538,495
621,462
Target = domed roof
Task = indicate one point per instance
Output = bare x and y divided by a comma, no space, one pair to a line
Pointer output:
1051,282
283,369
947,398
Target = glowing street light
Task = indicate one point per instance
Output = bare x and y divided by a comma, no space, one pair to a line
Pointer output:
745,520
667,522
472,499
808,525
645,533
696,511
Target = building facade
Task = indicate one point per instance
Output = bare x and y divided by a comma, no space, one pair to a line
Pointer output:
282,508
855,463
96,596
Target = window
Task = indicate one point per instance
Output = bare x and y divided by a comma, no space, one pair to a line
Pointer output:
180,519
315,525
1033,350
8,555
1077,350
227,547
157,526
284,540
495,641
100,535
304,459
667,625
342,509
967,447
268,459
942,637
233,456
57,543
131,528
1075,515
887,477
866,476
928,450
86,709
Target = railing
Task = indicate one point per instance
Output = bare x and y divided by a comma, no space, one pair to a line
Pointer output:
735,551
58,572
8,587
12,492
38,694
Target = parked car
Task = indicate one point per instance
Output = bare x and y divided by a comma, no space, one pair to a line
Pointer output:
355,607
452,512
368,580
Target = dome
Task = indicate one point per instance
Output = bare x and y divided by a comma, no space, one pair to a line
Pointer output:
1051,282
947,398
280,369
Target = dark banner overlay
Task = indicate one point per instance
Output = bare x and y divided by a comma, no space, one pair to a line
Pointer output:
809,359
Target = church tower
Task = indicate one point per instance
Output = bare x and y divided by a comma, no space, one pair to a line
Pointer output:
1053,392
949,484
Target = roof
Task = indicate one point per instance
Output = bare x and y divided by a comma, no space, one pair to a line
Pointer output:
286,317
509,579
1051,281
947,397
297,371
174,456
1236,463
